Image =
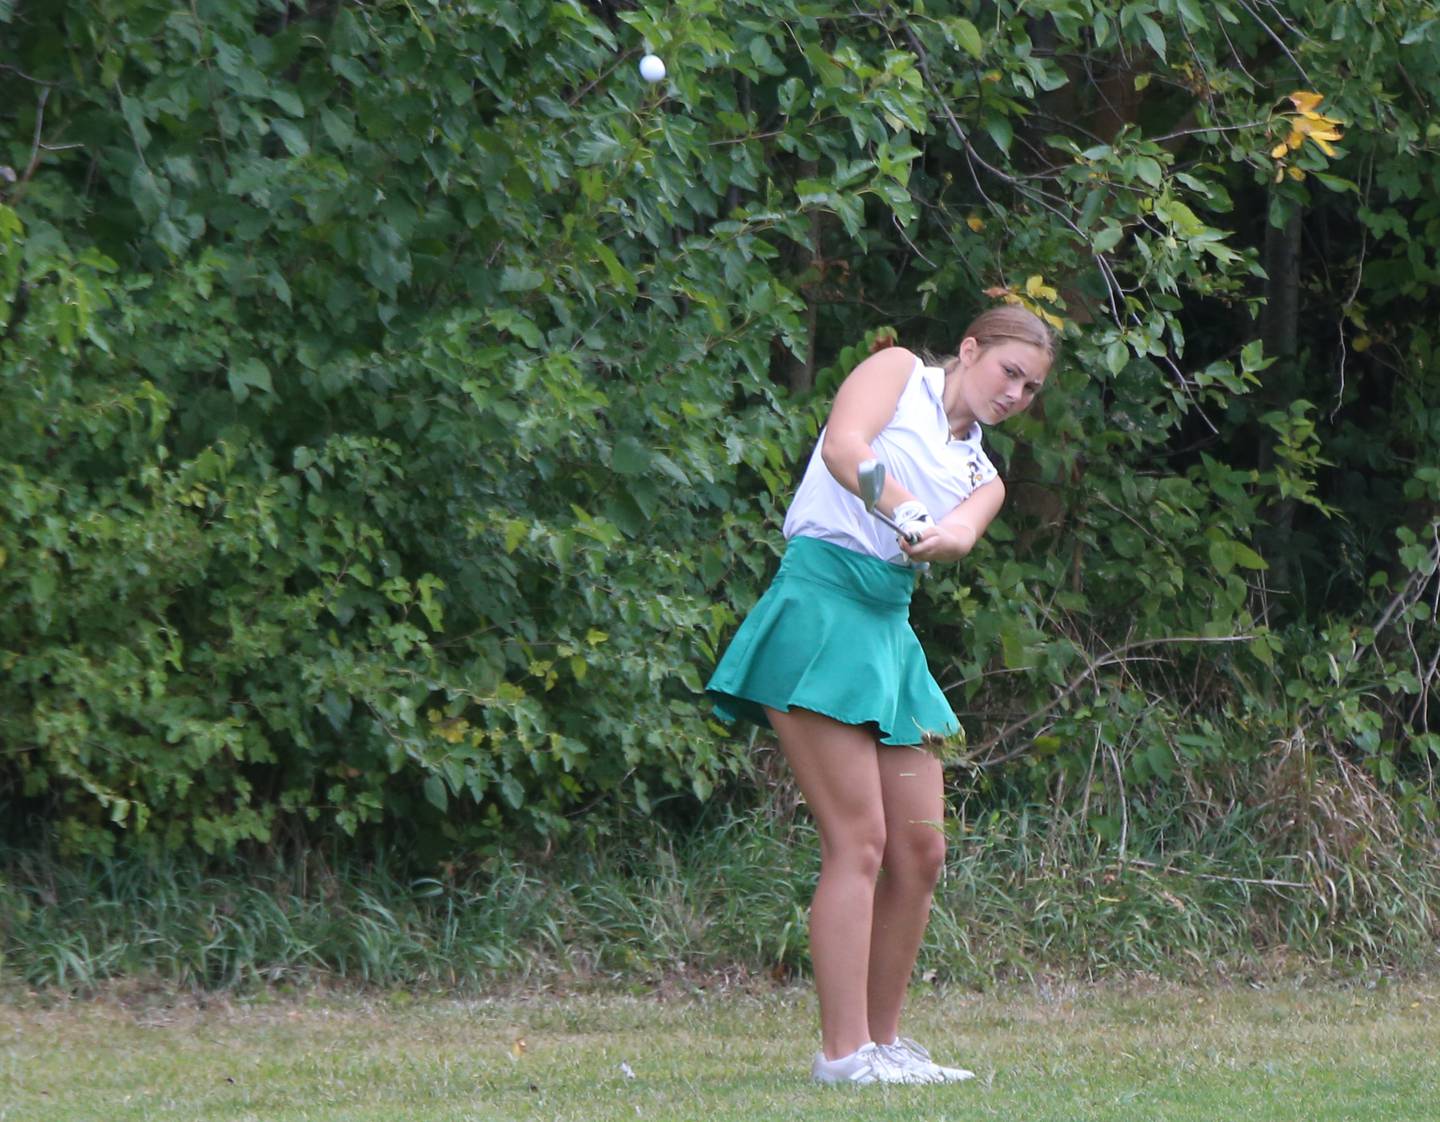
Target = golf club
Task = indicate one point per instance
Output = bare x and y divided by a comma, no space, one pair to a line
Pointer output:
872,483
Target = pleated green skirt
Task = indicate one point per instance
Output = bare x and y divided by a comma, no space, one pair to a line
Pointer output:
832,635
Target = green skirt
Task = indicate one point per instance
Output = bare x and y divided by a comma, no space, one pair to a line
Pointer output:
832,635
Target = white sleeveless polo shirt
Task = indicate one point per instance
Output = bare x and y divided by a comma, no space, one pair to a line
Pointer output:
917,449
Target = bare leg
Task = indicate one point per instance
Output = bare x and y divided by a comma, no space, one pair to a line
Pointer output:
838,771
913,791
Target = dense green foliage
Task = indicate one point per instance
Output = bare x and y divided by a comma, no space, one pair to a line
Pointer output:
398,400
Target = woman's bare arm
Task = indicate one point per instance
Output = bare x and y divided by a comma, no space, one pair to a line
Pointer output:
864,405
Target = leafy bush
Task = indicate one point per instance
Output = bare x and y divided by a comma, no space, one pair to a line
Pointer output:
398,400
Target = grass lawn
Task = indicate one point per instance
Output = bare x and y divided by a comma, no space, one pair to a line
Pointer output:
1317,1054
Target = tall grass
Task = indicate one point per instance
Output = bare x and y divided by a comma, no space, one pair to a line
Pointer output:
1027,892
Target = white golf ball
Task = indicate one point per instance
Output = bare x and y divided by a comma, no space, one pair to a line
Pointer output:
651,68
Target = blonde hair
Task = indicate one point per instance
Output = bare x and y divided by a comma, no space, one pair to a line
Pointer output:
1008,323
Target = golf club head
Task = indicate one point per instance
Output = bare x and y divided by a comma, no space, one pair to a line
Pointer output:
872,483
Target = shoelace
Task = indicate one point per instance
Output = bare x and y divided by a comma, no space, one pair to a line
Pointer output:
910,1057
918,1055
884,1062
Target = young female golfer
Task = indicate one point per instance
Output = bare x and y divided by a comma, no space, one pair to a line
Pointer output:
827,659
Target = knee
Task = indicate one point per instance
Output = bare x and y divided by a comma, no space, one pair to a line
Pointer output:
918,856
859,849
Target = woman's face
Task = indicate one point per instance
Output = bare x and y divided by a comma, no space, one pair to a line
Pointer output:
1002,379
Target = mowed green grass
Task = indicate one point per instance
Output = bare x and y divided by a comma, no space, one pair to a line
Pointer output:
1063,1053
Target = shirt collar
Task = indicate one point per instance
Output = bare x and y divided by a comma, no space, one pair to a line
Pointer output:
934,379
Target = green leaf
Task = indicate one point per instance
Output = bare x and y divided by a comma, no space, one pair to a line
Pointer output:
516,532
672,469
337,128
1101,27
1107,237
1252,356
1001,131
1149,170
42,585
246,375
1153,34
630,456
829,75
620,276
1335,182
1161,759
1246,557
967,35
288,101
1222,555
763,55
598,150
134,116
1420,31
1192,14
293,137
520,279
792,95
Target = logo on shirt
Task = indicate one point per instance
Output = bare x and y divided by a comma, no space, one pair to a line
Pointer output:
976,472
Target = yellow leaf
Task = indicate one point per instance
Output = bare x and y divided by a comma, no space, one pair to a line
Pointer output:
975,222
1325,146
1308,124
992,76
1279,173
1295,139
1305,100
1035,286
1295,173
1029,305
1361,343
1279,150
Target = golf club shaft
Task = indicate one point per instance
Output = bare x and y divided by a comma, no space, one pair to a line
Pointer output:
871,479
910,536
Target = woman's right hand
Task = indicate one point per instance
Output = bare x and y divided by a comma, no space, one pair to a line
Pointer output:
939,542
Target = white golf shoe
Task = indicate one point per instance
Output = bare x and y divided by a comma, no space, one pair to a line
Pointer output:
905,1054
867,1064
